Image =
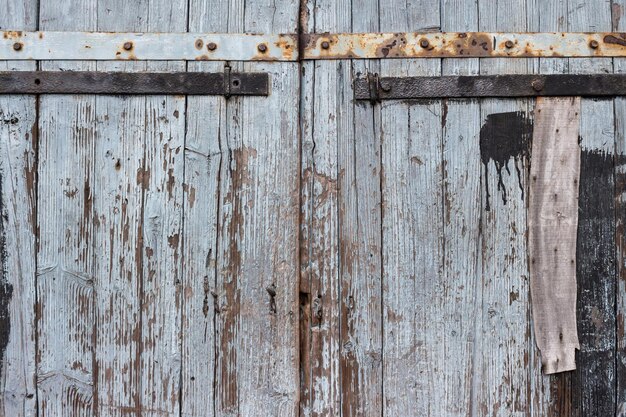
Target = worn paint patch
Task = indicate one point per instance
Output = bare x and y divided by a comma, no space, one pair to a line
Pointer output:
505,136
595,274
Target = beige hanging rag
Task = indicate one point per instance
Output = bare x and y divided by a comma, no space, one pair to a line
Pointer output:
552,227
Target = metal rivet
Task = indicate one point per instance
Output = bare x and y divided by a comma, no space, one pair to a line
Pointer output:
594,44
509,44
17,46
211,46
128,46
262,47
325,45
424,43
537,85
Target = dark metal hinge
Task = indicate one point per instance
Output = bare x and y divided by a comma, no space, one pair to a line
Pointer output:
91,82
375,88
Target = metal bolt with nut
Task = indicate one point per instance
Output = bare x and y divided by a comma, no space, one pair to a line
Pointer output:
325,45
424,43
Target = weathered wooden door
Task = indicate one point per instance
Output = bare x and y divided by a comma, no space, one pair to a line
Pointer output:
301,253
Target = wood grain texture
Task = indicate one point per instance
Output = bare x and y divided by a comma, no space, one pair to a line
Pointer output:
461,190
552,230
619,66
65,258
257,264
596,251
412,217
504,374
340,283
18,204
168,230
140,165
205,153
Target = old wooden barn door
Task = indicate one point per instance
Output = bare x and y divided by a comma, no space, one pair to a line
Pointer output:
300,253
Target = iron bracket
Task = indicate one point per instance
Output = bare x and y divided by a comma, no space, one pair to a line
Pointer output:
122,83
375,88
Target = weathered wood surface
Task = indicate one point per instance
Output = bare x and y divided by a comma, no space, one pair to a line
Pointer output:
340,257
18,150
164,280
619,66
552,230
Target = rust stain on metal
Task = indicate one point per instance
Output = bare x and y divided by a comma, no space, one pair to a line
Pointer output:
199,43
620,39
461,44
12,34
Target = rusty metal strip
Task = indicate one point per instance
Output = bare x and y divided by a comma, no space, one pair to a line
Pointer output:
463,45
85,82
397,88
18,45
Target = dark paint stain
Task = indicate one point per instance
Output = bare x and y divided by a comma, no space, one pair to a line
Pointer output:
6,292
503,137
596,290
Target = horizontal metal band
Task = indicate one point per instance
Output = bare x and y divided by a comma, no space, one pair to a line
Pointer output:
103,46
463,45
18,45
85,82
397,88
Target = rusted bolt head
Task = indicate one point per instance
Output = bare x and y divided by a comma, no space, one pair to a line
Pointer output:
325,45
128,46
537,85
17,46
509,44
424,43
594,44
211,46
262,47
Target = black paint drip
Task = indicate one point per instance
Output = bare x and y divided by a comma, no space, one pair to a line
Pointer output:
502,137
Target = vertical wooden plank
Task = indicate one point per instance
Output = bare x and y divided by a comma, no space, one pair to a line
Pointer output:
502,377
65,266
257,262
360,227
18,153
139,153
412,217
340,282
596,230
461,223
204,157
619,65
552,228
550,394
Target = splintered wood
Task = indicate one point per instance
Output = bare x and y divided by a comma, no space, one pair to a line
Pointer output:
552,228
